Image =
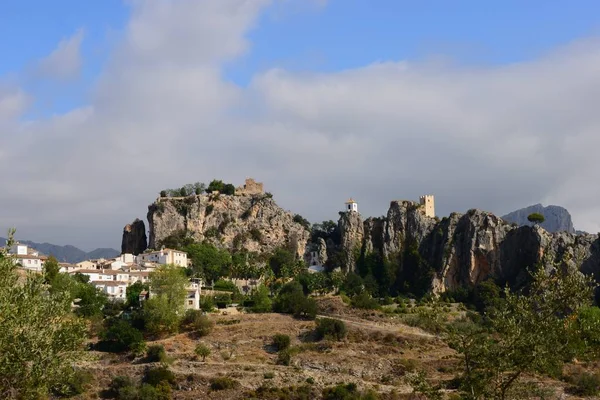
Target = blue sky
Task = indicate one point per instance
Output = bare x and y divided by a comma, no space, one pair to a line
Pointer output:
338,35
114,100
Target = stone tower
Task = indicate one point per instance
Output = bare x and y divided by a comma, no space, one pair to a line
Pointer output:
428,202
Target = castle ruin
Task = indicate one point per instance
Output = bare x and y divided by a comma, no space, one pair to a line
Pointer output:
250,187
428,203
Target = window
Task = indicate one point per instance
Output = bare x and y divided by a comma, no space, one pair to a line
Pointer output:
190,302
28,261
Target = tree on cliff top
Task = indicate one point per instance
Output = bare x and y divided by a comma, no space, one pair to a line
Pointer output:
40,338
536,218
218,185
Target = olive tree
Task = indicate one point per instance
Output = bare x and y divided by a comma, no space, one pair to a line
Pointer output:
40,337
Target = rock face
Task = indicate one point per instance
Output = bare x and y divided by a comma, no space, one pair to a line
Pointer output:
463,249
134,238
250,221
558,218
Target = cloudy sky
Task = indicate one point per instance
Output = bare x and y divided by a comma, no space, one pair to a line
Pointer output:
105,103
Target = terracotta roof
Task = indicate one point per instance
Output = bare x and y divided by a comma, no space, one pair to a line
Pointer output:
28,257
89,271
350,201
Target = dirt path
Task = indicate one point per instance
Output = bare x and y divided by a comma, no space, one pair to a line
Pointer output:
395,328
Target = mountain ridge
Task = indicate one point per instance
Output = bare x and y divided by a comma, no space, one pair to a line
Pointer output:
68,253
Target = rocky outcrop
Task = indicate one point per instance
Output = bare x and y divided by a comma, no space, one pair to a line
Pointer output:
462,249
134,238
249,221
557,218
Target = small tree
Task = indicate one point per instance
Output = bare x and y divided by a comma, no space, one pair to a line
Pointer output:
163,193
51,269
202,351
536,218
281,341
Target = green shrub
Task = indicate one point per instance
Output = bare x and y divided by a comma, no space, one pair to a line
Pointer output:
196,322
209,209
202,351
345,299
284,357
223,383
76,384
156,375
120,336
156,353
365,301
329,328
347,391
584,384
292,300
206,303
255,234
269,375
281,341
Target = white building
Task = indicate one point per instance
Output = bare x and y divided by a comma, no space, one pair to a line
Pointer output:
164,256
351,205
27,258
116,290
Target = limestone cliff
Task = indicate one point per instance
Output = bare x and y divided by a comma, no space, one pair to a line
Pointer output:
252,221
134,238
461,250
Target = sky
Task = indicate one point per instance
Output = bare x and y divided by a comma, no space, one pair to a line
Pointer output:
489,105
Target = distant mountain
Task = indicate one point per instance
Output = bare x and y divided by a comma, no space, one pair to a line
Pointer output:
68,253
558,218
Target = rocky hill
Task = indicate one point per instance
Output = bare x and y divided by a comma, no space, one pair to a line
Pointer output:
459,250
558,218
252,221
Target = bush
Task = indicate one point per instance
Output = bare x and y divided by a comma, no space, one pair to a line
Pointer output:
154,376
225,285
121,387
223,383
347,391
156,353
365,301
281,341
284,357
255,234
209,209
331,329
584,384
206,303
120,336
76,384
202,351
269,375
292,300
196,322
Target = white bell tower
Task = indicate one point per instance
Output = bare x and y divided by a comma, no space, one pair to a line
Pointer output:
351,205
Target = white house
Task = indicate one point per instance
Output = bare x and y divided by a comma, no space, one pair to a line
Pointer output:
142,276
164,256
351,205
30,262
116,290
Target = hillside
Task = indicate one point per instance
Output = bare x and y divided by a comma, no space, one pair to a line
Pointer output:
558,218
68,253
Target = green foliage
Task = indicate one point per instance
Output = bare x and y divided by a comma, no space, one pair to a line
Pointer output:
225,285
156,353
429,318
196,322
133,293
177,240
299,219
420,385
119,336
292,300
353,284
40,338
162,312
284,357
218,185
160,318
208,261
202,350
525,334
75,384
91,300
157,375
186,190
209,209
347,391
206,303
261,302
256,234
51,268
282,262
329,328
223,383
536,218
584,383
365,301
281,341
586,332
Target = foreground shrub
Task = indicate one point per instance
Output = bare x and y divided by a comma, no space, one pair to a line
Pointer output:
202,351
284,357
347,391
292,300
328,328
75,384
281,341
584,384
364,301
156,353
196,322
120,336
223,383
156,375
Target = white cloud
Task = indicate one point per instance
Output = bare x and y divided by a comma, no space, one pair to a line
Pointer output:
65,61
163,115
